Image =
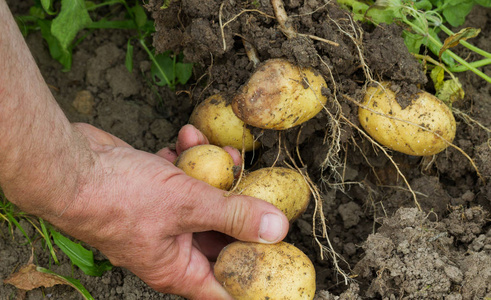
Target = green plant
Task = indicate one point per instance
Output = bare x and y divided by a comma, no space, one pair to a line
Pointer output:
78,255
60,29
423,20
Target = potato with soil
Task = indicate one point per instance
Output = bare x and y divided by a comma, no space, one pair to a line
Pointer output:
280,95
284,188
400,129
208,163
260,271
216,120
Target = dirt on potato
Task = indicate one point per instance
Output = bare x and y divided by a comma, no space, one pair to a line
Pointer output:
388,246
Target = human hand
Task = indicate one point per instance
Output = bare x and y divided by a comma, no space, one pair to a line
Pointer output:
146,215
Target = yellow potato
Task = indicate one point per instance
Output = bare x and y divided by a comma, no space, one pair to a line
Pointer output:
216,120
208,163
425,110
280,95
284,188
259,271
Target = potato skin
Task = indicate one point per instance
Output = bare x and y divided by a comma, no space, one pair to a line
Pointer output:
277,96
260,271
208,163
425,110
284,188
216,120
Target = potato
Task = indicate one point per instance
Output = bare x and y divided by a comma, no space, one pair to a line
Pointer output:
216,120
208,163
279,95
425,110
261,271
284,188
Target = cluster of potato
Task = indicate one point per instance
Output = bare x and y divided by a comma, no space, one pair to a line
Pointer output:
279,96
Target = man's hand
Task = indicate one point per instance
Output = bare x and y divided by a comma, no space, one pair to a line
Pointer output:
139,209
146,215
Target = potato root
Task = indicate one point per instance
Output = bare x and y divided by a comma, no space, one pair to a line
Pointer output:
261,271
208,163
385,123
284,188
280,95
216,120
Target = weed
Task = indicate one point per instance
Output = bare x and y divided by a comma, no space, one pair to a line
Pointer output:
60,29
78,255
423,20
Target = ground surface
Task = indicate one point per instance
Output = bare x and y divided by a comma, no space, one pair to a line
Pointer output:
391,249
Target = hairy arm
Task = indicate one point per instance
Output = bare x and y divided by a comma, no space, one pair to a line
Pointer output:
37,159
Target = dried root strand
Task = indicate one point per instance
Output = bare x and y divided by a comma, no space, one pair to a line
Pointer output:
222,25
318,215
286,26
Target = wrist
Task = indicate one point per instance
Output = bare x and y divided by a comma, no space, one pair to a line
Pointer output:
46,183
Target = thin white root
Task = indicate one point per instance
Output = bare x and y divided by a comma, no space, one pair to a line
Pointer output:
319,215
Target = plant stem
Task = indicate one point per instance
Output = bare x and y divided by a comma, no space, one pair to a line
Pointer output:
104,24
476,64
96,6
152,58
453,55
466,44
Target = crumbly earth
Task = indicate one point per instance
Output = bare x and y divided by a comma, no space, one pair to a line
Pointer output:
390,248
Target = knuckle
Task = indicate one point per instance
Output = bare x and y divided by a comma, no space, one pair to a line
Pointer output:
237,222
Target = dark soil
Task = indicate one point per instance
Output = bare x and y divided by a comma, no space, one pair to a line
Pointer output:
390,248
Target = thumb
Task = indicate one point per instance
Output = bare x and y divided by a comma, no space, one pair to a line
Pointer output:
242,217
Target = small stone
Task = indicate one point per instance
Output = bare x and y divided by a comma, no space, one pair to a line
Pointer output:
84,102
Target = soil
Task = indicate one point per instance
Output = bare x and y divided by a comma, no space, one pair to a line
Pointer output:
390,249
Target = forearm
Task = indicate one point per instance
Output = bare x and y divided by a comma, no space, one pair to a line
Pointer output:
36,139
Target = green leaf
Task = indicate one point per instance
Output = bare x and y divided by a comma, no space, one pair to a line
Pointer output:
412,41
166,4
445,57
183,72
128,61
423,5
90,5
47,6
70,281
448,91
456,11
37,11
81,257
437,75
485,3
140,15
64,56
48,240
162,70
17,224
72,18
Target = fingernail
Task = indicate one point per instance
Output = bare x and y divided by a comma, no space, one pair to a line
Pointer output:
271,228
